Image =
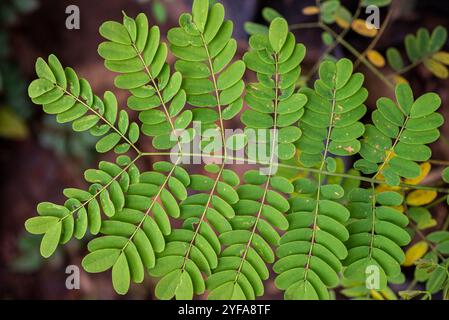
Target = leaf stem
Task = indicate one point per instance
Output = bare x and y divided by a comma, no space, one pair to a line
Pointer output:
439,162
318,193
273,152
217,179
436,202
446,223
287,166
306,25
156,87
411,66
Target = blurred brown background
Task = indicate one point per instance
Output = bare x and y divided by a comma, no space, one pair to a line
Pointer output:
39,158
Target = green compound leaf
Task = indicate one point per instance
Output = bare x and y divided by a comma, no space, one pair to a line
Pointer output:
135,52
137,230
71,99
333,109
420,47
204,47
194,249
395,141
376,235
272,101
258,214
82,209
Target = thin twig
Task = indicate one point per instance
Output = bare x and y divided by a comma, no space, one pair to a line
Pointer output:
357,54
306,25
331,47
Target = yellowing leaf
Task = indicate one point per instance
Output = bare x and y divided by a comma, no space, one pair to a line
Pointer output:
415,252
376,295
389,154
398,208
310,10
442,57
385,187
380,176
389,294
11,126
421,197
399,79
361,27
427,224
437,68
425,169
376,58
342,23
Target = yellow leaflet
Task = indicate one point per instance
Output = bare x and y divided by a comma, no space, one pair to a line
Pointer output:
421,197
425,169
437,68
389,294
364,28
342,23
399,79
442,57
376,58
384,187
427,224
12,126
380,176
310,10
389,154
398,208
376,295
415,252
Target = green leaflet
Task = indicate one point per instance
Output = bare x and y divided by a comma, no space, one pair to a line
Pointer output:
269,14
166,289
277,33
200,9
50,240
394,59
